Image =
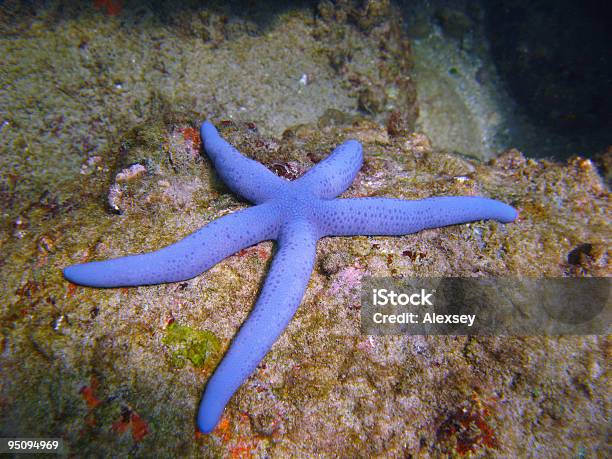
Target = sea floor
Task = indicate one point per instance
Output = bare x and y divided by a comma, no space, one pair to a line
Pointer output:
91,91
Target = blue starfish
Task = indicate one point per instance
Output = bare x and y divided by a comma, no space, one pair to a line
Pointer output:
296,214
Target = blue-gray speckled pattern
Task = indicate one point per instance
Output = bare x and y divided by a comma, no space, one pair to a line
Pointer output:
296,214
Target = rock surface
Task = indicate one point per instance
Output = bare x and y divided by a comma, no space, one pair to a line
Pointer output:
118,371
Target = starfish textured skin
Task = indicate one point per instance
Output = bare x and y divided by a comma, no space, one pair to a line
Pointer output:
294,213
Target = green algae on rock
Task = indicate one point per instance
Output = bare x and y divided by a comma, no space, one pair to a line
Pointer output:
200,347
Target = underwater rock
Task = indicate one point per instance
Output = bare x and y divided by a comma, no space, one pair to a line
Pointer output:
455,23
323,386
372,100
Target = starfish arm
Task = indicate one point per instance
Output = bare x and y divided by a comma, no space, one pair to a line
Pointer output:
244,176
392,217
335,173
276,305
186,258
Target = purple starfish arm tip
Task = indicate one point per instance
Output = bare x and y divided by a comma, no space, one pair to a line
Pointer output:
244,176
186,258
279,299
335,173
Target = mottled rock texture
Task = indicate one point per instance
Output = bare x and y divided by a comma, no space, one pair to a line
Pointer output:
118,370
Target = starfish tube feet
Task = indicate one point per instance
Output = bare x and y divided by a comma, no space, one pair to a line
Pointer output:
280,297
186,258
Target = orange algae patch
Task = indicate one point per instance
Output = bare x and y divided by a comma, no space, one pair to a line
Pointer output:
71,289
130,419
261,252
243,449
87,393
467,429
238,446
191,135
139,427
111,7
121,426
223,430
